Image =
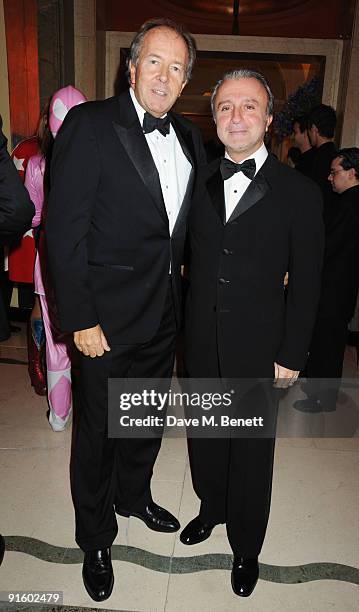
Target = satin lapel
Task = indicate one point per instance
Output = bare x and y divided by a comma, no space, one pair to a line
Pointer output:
136,147
186,141
256,191
186,201
185,138
216,191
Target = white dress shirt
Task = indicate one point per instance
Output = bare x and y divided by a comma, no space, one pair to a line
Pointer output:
172,165
235,186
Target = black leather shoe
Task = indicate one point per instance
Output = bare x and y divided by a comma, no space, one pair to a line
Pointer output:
155,517
245,574
196,532
97,574
310,405
2,548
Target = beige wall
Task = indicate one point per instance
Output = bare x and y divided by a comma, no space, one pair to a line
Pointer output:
350,131
85,46
4,83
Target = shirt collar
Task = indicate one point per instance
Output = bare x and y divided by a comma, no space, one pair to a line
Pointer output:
260,155
139,110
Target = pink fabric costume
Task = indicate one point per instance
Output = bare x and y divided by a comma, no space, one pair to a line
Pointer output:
57,344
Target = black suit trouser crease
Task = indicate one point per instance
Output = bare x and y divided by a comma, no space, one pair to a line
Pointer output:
107,471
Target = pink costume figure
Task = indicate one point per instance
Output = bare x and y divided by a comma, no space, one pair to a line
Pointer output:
58,345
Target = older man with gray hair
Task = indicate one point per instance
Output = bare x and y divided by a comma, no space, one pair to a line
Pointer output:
123,170
252,220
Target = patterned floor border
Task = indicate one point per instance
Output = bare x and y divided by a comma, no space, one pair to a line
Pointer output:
292,574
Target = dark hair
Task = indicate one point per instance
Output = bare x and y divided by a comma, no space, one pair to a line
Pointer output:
244,73
324,119
137,42
43,133
350,159
302,122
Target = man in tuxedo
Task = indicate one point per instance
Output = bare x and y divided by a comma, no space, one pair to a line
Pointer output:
322,120
16,212
122,176
339,288
252,220
301,140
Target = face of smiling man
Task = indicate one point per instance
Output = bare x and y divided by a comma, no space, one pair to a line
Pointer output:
160,73
241,116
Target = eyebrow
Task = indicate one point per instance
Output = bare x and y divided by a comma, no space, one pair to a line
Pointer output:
231,102
160,57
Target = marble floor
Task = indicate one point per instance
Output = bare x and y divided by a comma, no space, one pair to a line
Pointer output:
310,558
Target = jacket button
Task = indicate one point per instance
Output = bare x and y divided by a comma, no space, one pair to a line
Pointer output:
223,281
227,252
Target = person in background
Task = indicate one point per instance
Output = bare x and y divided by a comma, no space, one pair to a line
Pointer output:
339,287
293,156
16,212
304,164
321,130
58,345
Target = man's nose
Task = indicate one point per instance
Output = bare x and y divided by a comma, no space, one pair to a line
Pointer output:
163,74
237,115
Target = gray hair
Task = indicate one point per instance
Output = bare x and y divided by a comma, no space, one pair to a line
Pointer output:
137,42
244,73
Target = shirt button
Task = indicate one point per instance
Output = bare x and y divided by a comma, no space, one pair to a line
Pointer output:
166,186
235,191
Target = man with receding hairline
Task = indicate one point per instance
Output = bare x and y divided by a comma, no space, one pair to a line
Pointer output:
122,176
252,220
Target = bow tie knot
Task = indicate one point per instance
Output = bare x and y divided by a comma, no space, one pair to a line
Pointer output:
228,168
151,123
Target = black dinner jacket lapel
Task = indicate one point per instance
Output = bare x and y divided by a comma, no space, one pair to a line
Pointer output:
256,191
130,133
184,136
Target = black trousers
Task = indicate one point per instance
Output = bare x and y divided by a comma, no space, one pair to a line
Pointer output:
325,363
107,471
232,476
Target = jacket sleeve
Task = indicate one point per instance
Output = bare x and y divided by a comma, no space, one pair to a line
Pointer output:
16,208
75,175
305,266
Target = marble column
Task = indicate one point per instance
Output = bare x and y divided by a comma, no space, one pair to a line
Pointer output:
85,46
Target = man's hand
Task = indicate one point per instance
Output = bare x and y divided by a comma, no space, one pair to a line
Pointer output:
91,342
283,377
286,279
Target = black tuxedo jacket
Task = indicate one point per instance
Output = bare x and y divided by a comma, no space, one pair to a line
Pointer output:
237,314
16,208
340,277
107,229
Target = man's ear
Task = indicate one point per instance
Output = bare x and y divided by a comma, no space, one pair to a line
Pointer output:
351,174
132,70
183,86
269,121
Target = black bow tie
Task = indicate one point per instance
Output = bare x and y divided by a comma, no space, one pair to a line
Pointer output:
228,168
151,123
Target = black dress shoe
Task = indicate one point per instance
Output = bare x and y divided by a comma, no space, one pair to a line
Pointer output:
309,405
155,517
2,548
97,574
245,574
196,531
